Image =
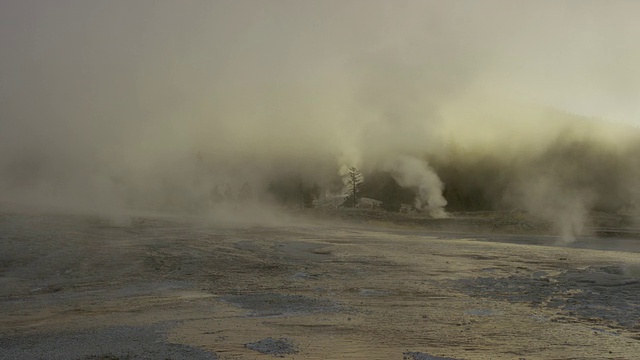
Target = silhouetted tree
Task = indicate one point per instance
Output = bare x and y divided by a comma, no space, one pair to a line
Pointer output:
353,190
309,195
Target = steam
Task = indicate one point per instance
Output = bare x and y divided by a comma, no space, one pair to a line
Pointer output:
566,208
415,173
106,106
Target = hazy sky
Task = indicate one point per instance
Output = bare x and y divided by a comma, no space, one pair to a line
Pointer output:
92,85
139,55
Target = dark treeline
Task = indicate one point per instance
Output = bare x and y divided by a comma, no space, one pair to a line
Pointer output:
604,177
293,191
381,186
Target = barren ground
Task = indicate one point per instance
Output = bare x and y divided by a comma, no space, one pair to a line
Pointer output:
79,287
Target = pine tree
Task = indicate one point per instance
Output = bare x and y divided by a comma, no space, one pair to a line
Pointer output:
355,184
309,195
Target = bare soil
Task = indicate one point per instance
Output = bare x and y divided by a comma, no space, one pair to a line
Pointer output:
370,287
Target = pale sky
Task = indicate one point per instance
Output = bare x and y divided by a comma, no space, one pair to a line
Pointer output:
580,55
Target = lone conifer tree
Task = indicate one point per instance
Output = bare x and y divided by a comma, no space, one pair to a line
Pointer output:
355,183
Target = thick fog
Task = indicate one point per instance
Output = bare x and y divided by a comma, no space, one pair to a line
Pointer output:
528,105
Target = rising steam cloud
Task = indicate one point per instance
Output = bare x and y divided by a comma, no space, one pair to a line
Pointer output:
415,173
152,104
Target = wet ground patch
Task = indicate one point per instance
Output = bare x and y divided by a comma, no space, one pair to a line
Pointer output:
300,251
112,343
276,347
415,355
601,292
483,312
272,304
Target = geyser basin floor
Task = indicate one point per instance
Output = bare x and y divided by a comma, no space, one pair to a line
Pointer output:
333,291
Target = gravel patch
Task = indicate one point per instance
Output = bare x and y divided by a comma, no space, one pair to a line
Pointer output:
111,343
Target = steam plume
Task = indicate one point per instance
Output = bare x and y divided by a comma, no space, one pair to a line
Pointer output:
112,105
415,173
